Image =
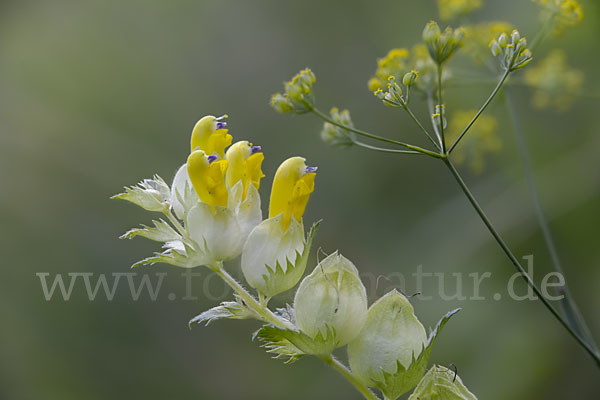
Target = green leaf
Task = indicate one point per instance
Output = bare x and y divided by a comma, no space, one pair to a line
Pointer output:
227,309
394,385
178,253
161,232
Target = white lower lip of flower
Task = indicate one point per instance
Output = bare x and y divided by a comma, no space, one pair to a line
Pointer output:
247,211
267,247
216,232
182,192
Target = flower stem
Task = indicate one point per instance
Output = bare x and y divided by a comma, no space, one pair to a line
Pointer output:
441,104
483,107
263,312
425,131
569,306
346,373
372,136
517,264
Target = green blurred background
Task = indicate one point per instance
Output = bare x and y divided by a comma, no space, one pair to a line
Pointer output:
95,95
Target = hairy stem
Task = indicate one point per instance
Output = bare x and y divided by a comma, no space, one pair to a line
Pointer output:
483,107
569,306
346,373
266,314
517,264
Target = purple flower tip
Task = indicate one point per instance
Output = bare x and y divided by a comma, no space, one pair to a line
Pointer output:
221,125
255,149
308,170
212,158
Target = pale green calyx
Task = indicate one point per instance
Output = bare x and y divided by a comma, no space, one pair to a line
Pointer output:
150,194
441,383
392,335
274,258
331,302
392,352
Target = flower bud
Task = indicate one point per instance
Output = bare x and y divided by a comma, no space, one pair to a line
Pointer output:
281,104
409,78
331,303
431,33
502,40
515,36
495,48
440,383
298,96
335,135
392,336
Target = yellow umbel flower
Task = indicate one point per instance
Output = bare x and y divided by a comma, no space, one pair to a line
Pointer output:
479,36
477,143
393,64
450,9
207,175
292,186
244,164
555,81
567,13
209,135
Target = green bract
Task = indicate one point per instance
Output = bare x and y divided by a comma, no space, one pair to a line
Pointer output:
392,334
331,302
440,383
274,259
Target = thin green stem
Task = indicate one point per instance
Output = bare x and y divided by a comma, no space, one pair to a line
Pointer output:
570,308
425,131
265,314
483,107
517,264
441,104
372,136
543,32
384,149
431,106
346,373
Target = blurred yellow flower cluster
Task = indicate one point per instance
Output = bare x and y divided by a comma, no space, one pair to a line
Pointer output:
393,64
450,9
478,37
566,13
555,82
481,140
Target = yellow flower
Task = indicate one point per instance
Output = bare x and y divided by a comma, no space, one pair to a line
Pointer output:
479,141
208,177
292,186
450,9
275,254
393,64
479,37
244,164
209,134
567,13
555,82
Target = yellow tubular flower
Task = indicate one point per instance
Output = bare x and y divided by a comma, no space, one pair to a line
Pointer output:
292,186
244,162
208,178
209,134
